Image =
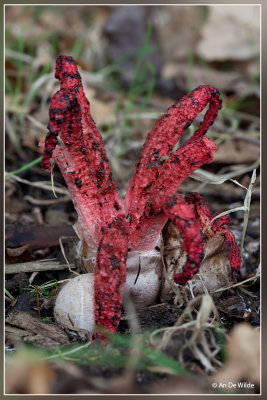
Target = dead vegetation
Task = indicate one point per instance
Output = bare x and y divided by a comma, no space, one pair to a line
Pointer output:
187,342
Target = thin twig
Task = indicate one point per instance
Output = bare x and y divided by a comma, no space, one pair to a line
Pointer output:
247,202
242,208
43,202
236,284
32,266
36,123
41,185
208,177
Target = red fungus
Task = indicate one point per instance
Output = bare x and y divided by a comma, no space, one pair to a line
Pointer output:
110,274
82,159
204,216
112,225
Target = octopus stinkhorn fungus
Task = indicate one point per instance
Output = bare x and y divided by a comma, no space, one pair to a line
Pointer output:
112,226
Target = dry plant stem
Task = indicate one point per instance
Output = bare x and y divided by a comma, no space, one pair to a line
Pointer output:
40,185
43,202
252,279
247,202
40,81
32,277
243,136
248,117
18,56
200,327
209,177
136,339
128,376
64,254
174,287
36,123
32,266
242,208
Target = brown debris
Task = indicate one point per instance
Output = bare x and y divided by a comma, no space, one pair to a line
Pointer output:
31,377
243,352
35,237
42,333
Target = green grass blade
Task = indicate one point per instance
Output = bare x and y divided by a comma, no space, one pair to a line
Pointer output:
25,167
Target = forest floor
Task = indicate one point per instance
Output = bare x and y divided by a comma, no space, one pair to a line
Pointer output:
156,349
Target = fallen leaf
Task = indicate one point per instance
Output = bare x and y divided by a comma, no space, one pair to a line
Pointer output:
230,82
101,111
238,152
35,237
214,271
243,352
231,32
28,375
18,251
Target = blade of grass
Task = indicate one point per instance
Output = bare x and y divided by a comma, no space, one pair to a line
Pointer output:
9,295
20,64
8,87
190,63
25,167
77,48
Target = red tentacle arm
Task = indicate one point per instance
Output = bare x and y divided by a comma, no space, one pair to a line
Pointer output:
201,95
110,275
182,163
82,158
176,208
233,253
204,215
202,212
166,133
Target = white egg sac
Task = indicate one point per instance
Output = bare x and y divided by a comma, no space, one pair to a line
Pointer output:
145,283
74,307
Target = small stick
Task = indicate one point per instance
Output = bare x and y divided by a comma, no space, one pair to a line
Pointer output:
32,266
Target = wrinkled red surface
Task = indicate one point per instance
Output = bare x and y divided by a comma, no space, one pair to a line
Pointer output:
83,159
176,208
175,170
110,274
204,215
112,225
151,167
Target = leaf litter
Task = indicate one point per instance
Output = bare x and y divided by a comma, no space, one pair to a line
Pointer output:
167,312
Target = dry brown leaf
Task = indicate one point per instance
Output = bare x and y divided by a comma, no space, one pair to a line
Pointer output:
29,376
243,351
214,270
236,152
101,111
17,251
232,32
230,81
177,30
